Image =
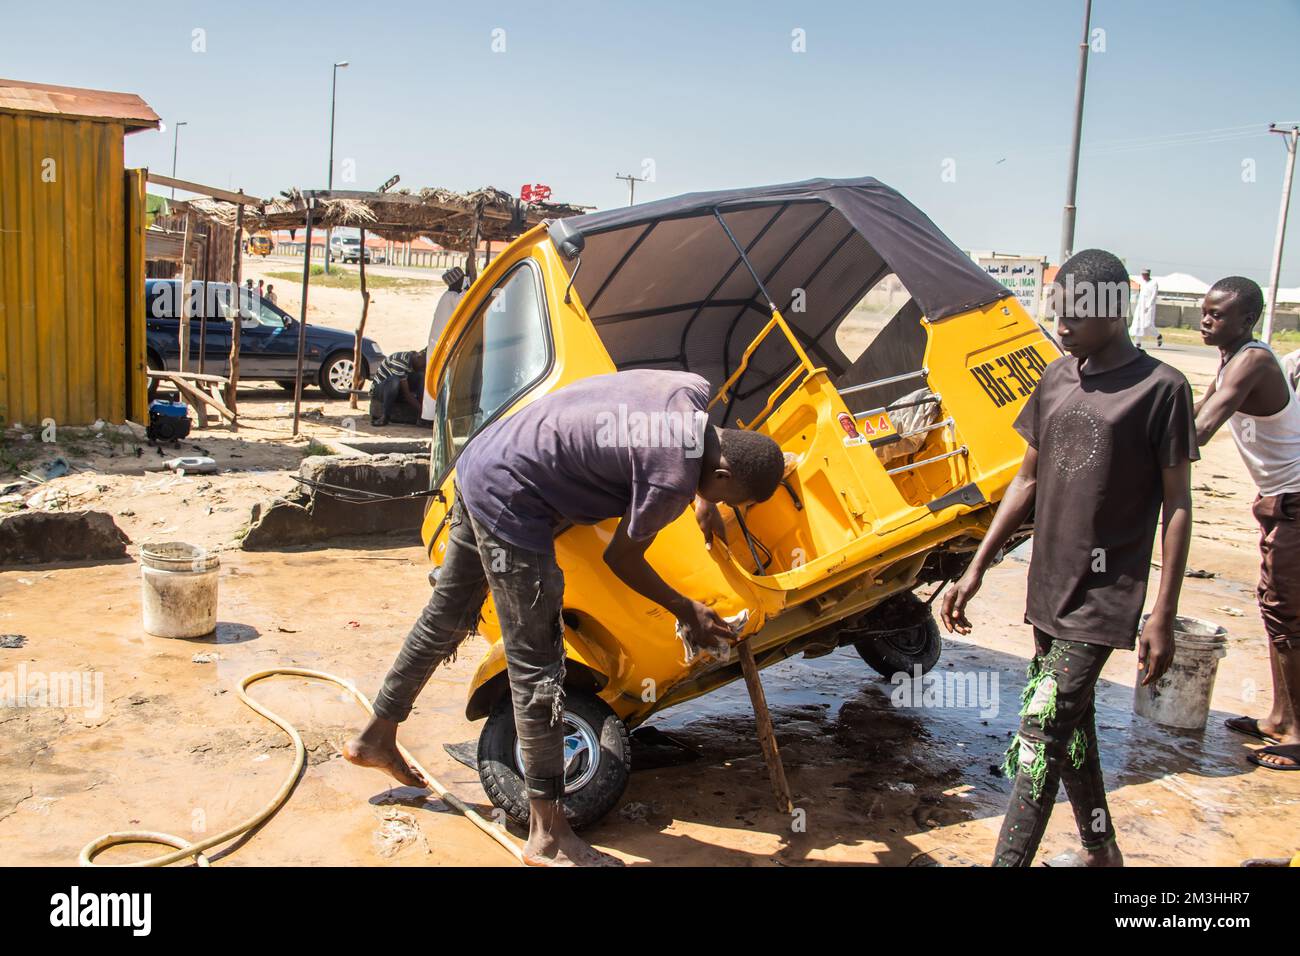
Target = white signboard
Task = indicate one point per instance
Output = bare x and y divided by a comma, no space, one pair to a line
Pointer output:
1023,276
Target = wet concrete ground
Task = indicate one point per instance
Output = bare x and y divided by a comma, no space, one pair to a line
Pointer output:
170,747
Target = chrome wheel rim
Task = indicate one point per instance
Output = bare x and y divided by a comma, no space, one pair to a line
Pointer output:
581,754
340,375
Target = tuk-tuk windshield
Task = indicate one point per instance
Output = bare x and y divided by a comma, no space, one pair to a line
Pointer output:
505,349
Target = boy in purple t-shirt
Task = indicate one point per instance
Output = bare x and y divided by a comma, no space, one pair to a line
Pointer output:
632,445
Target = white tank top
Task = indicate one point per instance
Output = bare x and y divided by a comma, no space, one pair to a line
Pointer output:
1269,444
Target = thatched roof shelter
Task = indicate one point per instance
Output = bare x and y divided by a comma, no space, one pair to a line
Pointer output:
440,215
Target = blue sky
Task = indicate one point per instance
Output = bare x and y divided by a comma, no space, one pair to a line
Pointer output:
715,96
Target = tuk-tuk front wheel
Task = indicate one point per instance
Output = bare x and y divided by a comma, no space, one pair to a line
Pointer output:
597,760
898,635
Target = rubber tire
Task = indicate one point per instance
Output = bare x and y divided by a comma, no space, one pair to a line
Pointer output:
288,384
504,785
322,378
885,656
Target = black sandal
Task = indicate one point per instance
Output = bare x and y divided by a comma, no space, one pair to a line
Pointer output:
1290,751
1249,727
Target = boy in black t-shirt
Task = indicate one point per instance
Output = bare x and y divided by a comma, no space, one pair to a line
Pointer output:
1111,437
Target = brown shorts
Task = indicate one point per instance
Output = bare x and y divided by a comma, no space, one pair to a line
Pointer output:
1279,570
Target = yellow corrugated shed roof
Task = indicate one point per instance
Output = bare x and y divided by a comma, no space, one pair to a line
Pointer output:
72,102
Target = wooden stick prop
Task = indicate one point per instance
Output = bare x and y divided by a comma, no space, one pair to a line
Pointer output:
361,328
763,722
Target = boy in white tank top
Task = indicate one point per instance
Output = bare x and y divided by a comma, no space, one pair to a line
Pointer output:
1251,393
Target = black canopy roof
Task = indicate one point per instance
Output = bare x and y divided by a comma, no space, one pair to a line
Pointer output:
771,221
666,287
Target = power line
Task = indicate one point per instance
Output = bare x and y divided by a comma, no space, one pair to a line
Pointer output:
1203,140
1123,140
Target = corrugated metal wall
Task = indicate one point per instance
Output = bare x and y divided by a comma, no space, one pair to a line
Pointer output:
137,399
212,248
71,273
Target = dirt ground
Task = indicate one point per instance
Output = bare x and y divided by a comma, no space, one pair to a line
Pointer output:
161,741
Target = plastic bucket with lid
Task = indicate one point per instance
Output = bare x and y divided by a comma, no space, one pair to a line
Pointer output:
178,589
1181,697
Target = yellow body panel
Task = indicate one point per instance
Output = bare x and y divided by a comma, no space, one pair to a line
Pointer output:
859,536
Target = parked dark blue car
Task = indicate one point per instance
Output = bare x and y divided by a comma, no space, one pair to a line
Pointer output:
268,339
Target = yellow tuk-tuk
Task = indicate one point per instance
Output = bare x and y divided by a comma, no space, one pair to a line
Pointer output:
259,244
832,315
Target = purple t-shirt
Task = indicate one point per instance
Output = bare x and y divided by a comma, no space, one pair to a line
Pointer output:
628,443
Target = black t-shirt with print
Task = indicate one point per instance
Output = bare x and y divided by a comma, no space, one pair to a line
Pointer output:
1102,443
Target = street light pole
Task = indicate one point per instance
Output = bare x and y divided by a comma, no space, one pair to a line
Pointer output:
1072,183
1275,273
176,141
334,85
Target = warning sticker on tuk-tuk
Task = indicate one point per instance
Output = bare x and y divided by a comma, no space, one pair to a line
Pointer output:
1011,376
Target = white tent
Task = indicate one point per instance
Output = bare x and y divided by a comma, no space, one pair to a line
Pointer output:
1182,284
1179,283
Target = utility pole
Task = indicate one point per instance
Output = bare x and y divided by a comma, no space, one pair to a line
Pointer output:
631,185
329,181
176,141
1072,183
1291,133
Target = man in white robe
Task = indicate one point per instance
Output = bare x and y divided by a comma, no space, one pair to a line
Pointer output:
1143,322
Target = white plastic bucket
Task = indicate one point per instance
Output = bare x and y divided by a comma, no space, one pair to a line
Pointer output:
1181,697
178,589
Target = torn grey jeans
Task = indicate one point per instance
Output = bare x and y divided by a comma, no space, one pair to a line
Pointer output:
527,591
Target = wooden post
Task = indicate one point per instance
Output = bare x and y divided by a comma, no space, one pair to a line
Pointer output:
237,267
203,314
302,322
471,258
763,721
186,275
361,328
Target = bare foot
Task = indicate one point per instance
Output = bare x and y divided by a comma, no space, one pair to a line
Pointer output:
552,842
568,850
376,746
1107,855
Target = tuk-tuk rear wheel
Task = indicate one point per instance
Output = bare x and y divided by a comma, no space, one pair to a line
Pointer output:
594,788
899,635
